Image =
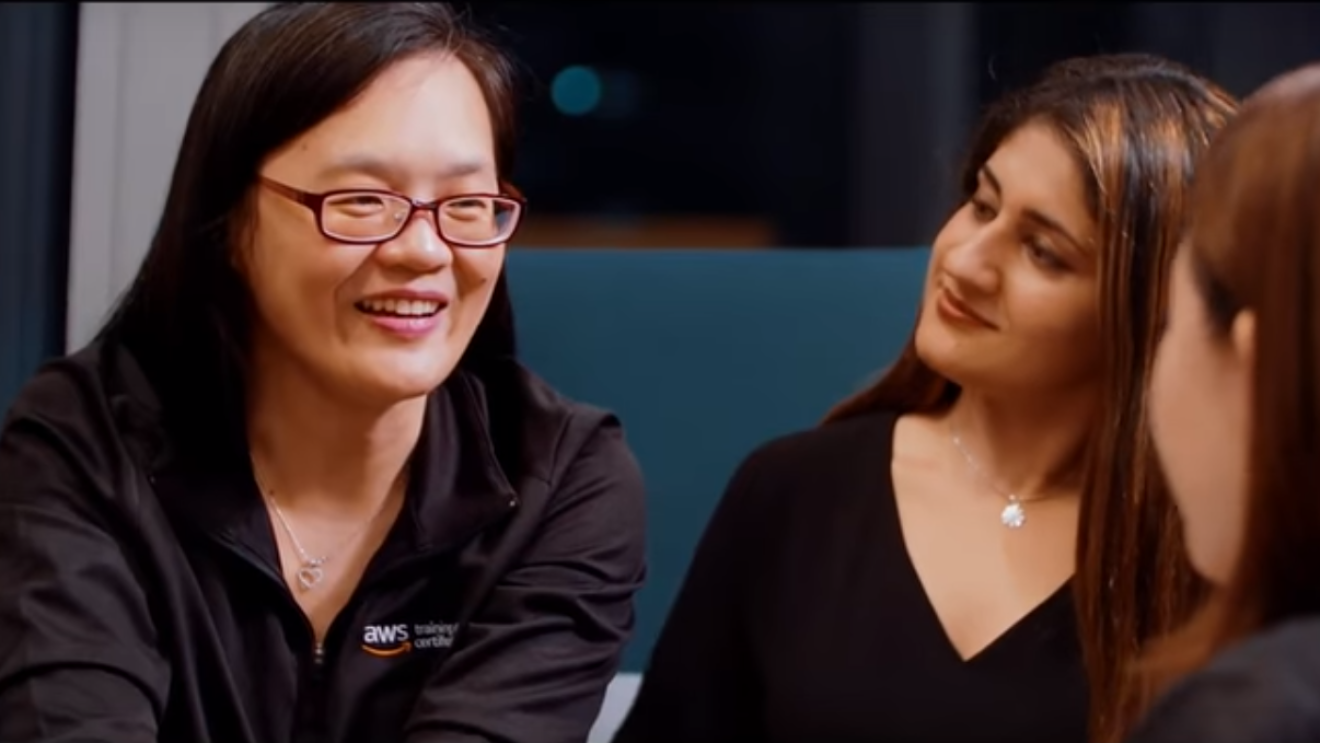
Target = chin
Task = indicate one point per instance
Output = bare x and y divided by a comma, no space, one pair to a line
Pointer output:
393,380
1212,555
940,352
1208,567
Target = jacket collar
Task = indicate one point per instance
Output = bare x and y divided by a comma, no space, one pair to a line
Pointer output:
457,486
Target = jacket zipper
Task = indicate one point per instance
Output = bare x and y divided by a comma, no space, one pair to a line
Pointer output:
312,713
308,713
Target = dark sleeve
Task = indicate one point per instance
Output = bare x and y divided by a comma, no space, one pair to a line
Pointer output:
535,662
700,685
77,655
1260,704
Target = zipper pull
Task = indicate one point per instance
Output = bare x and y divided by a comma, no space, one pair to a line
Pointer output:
318,655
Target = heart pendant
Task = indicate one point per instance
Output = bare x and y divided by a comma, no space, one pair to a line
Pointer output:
309,576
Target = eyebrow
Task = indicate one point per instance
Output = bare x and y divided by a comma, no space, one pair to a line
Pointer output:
355,164
1043,220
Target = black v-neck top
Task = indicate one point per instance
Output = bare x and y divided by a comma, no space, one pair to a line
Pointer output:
802,619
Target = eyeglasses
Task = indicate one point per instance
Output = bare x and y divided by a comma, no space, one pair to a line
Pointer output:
364,216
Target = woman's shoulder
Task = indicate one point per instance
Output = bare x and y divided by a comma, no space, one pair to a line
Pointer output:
85,417
812,478
74,392
1266,689
536,429
834,450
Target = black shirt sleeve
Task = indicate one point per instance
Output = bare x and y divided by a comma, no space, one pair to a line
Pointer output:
1264,691
700,684
536,660
78,660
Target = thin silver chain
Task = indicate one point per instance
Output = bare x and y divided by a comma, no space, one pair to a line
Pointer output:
309,574
1014,514
976,468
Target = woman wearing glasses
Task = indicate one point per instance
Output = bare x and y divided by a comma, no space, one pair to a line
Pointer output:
299,487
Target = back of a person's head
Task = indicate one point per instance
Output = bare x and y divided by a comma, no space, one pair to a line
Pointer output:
187,315
1254,247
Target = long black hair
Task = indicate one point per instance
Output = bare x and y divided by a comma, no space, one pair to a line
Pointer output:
186,317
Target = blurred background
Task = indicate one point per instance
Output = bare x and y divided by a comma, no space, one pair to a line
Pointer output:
812,124
703,125
769,144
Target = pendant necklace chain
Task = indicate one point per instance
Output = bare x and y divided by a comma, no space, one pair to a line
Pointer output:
1014,515
311,571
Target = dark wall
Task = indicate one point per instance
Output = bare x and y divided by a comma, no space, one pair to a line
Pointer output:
840,124
38,58
843,124
708,109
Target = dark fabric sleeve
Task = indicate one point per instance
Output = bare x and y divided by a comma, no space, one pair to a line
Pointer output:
1244,701
700,685
78,661
535,662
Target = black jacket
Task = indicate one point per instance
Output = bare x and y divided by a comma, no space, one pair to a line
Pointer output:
141,600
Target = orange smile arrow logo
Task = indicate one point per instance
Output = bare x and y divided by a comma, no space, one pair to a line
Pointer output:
389,652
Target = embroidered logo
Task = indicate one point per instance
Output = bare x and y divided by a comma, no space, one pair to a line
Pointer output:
390,640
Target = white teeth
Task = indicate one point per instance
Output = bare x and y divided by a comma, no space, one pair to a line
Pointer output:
410,307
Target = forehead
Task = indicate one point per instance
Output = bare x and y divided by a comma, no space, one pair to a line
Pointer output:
421,119
1037,170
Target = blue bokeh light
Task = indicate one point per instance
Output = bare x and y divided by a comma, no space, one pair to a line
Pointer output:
576,90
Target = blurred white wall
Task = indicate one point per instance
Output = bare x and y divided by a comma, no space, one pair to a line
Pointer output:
139,68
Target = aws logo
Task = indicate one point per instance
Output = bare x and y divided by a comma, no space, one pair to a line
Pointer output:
386,640
391,640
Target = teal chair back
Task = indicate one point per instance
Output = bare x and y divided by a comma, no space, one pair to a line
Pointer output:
705,354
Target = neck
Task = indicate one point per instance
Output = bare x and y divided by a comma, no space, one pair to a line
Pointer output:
308,445
1031,447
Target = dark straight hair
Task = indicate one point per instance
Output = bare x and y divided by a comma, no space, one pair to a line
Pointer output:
1136,124
186,317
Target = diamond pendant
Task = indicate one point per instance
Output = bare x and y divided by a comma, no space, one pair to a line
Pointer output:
310,574
1014,515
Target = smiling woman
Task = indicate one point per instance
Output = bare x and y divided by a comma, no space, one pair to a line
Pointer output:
973,545
300,485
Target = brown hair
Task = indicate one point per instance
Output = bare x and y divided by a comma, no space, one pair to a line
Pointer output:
1136,124
1254,243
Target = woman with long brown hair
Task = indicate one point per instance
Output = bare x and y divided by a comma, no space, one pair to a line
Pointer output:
907,570
1235,407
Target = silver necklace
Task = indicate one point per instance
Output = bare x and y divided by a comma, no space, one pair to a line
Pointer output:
1014,514
311,571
